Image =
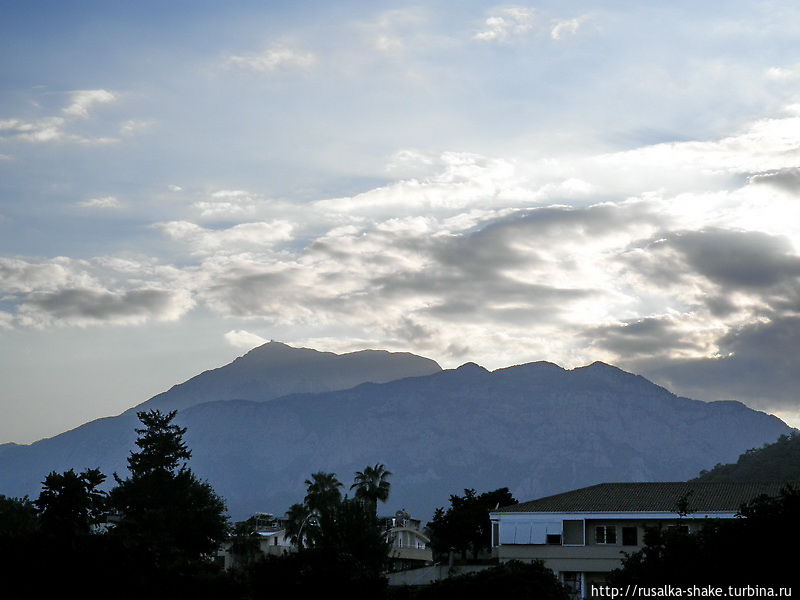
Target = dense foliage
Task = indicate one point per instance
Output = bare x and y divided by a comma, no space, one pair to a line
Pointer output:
166,526
341,542
779,461
465,526
758,549
513,579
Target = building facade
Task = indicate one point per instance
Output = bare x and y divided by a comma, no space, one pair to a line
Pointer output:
410,547
583,534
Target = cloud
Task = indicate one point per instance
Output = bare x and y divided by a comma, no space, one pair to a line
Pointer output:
83,100
565,26
134,126
762,145
781,74
19,276
669,255
734,260
665,337
6,320
101,202
239,338
84,306
787,179
228,203
757,364
246,235
56,128
505,23
50,129
395,31
271,59
456,181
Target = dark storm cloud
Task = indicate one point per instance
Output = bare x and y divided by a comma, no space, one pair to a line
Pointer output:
759,366
651,336
735,260
247,294
469,275
786,179
555,222
100,305
738,259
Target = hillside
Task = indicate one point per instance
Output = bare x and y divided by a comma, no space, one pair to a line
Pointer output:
536,428
779,461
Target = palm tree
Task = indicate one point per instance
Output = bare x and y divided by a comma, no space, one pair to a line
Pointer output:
300,525
371,484
322,492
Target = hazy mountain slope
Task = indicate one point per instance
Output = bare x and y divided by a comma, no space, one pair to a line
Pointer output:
275,369
536,428
779,461
271,370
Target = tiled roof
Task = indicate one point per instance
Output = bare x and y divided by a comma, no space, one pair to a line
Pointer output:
652,496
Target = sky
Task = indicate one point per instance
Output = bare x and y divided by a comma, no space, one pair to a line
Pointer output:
499,183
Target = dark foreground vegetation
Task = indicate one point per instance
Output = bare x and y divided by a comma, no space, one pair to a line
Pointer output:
779,461
760,548
165,524
509,580
156,534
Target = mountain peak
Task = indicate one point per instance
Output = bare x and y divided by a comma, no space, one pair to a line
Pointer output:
471,367
276,369
599,365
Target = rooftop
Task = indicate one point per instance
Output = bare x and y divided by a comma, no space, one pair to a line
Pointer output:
717,496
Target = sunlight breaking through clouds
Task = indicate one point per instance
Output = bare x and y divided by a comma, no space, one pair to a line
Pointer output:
496,183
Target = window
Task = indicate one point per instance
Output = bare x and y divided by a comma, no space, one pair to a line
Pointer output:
630,536
573,532
495,534
554,539
605,534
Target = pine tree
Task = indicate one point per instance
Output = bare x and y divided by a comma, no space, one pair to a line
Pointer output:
169,518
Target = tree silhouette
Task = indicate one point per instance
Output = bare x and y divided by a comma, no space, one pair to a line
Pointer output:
371,485
756,549
169,518
161,445
322,492
301,525
70,503
465,526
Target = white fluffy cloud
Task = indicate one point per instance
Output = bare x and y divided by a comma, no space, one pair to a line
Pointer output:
271,59
58,128
506,23
234,239
228,203
83,100
564,27
101,202
239,338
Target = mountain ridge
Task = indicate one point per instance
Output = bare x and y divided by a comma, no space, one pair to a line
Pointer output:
536,428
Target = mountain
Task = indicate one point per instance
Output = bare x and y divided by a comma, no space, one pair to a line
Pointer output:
779,461
264,373
536,428
275,369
